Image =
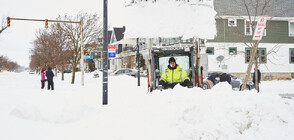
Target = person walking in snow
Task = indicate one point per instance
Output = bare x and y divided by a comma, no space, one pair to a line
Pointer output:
174,75
42,78
258,76
50,75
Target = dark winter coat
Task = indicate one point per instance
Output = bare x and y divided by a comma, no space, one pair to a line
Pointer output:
49,74
212,78
258,76
225,77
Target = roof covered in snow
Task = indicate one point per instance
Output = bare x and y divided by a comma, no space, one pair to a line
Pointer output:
172,18
119,33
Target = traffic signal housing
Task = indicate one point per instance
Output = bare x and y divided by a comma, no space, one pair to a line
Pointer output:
46,23
8,21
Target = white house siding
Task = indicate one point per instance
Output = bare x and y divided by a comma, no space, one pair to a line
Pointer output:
112,64
276,62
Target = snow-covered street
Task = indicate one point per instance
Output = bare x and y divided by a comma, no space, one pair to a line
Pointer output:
75,112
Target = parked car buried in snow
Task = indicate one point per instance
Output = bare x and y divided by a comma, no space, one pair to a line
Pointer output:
126,71
67,71
31,72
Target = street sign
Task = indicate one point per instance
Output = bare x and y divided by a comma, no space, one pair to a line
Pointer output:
111,51
259,29
88,56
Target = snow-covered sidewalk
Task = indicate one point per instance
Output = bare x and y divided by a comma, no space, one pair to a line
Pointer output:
75,112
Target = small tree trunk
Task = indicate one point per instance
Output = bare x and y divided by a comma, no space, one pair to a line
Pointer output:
254,51
73,73
55,71
62,72
74,65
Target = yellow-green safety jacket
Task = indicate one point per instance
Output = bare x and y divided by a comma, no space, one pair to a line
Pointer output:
174,75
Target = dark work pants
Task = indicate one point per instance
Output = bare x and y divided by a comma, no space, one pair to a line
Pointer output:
42,84
50,84
169,85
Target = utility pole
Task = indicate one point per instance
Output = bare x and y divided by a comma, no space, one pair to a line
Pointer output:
82,53
138,61
105,57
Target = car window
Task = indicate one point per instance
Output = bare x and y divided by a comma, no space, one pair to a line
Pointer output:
119,72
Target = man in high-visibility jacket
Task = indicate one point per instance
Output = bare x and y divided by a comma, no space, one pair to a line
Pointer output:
173,75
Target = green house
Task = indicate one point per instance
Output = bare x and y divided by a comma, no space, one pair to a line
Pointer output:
235,29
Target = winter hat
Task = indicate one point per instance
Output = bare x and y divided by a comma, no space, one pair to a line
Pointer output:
172,59
42,70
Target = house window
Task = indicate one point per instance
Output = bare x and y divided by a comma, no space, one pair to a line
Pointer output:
291,28
248,28
232,22
232,51
210,50
291,55
261,53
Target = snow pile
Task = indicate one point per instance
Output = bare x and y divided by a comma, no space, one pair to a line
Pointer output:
76,112
170,19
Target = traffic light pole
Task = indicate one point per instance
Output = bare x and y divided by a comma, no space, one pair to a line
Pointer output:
44,20
138,61
82,54
46,26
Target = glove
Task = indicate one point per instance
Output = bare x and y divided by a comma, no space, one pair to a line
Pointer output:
186,83
161,82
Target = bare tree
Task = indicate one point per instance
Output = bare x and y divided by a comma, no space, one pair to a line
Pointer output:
73,32
5,63
62,45
3,25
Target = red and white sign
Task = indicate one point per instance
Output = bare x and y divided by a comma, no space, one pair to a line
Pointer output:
111,47
111,51
259,29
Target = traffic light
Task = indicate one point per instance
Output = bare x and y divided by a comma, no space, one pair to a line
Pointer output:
8,21
46,23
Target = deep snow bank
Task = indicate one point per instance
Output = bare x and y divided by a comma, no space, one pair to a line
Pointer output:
76,112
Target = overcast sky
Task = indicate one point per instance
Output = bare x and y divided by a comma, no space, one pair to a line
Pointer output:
16,41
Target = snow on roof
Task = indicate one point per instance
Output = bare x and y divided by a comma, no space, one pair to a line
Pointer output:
170,19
